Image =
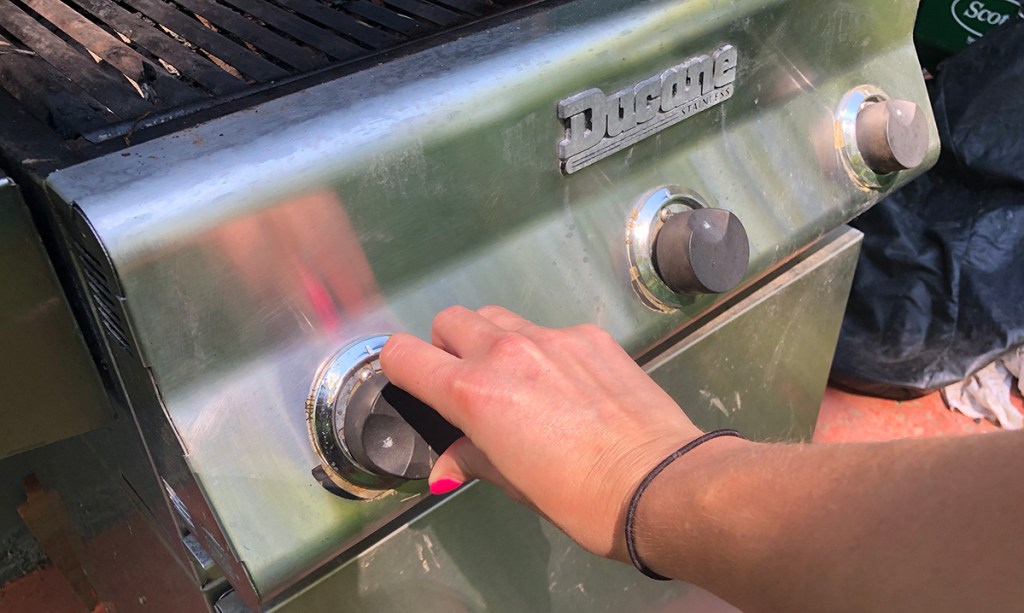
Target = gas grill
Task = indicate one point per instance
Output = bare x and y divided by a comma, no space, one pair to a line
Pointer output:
241,199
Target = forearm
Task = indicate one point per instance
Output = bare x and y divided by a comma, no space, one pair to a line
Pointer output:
873,526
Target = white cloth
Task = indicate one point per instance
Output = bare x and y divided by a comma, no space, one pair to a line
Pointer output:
986,393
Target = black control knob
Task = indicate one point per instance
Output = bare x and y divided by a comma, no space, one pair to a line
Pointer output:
892,135
701,251
390,432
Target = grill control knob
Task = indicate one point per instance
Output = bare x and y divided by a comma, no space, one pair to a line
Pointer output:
892,135
370,436
702,251
389,432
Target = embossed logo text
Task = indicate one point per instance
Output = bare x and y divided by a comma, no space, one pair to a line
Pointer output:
597,125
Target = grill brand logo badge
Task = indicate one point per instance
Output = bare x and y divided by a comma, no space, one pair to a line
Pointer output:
598,125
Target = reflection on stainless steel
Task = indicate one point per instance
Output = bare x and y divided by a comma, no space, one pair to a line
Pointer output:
248,248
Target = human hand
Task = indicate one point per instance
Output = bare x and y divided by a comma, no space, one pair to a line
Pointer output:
567,423
563,420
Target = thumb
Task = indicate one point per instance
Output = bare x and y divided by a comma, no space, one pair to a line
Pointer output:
461,462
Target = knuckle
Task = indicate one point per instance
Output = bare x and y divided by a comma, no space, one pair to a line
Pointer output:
595,333
467,394
549,337
512,346
491,309
445,320
449,314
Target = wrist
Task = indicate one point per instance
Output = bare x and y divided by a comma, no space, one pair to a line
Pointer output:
675,512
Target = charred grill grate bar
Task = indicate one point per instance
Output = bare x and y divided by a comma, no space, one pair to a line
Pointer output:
82,66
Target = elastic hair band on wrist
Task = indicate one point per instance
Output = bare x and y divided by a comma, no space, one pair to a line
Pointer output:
635,500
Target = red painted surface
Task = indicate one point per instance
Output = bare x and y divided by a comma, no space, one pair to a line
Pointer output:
42,590
849,417
152,582
147,580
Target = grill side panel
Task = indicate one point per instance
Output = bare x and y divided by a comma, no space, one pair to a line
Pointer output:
185,532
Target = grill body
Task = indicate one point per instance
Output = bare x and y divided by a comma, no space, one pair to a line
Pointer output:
226,243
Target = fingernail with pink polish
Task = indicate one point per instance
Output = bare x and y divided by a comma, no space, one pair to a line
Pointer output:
443,486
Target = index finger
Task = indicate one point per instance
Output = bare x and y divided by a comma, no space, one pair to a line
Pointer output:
423,370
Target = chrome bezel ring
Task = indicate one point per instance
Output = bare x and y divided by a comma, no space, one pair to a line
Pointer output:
335,382
641,229
846,138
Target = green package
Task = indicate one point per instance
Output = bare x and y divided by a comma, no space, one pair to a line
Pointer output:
946,26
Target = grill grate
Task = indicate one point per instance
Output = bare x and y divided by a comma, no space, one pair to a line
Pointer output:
84,65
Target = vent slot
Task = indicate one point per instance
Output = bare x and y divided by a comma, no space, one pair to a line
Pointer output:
106,303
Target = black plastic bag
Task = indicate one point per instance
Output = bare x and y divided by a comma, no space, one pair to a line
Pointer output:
939,289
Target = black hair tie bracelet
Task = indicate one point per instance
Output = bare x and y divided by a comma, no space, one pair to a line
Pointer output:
635,501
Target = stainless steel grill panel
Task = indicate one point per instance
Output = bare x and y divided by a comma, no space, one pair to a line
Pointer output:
252,246
237,188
